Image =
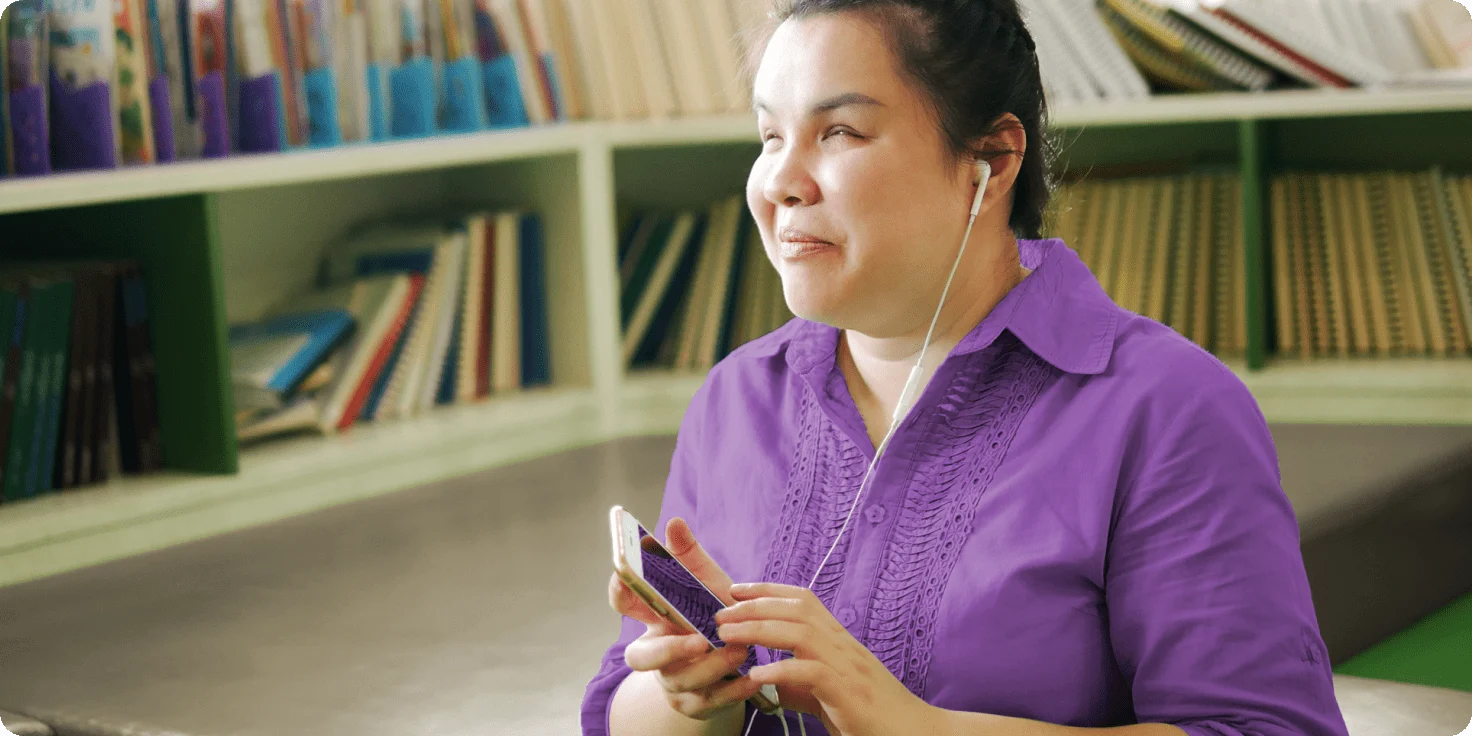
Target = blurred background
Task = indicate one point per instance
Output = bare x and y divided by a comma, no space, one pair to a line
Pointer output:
333,329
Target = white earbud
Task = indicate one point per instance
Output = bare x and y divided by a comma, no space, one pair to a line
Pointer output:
983,175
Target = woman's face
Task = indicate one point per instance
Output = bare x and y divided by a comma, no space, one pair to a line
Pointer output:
860,208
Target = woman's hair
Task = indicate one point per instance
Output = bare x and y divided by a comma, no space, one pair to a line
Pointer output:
975,61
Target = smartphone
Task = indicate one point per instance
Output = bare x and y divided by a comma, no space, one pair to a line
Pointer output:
653,574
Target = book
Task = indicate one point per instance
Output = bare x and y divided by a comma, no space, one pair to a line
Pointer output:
19,294
83,61
386,325
270,358
536,347
644,307
9,314
472,309
1189,46
505,357
134,64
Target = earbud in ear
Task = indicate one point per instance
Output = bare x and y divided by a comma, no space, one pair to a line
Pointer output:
983,174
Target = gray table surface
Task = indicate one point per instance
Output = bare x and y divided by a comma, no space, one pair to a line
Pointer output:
475,606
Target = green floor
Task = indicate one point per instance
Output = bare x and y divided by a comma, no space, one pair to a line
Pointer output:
1436,651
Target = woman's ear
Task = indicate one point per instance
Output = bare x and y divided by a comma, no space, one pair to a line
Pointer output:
1004,150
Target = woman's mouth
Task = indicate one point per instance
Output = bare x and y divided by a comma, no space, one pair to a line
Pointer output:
797,244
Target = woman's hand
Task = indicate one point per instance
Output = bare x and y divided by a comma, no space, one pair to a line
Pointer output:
831,675
693,676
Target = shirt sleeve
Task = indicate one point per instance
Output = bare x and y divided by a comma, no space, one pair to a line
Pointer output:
1210,613
679,500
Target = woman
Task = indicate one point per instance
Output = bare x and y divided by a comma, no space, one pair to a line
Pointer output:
1079,524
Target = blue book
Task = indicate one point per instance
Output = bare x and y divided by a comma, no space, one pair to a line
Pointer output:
414,261
450,376
505,107
536,362
271,358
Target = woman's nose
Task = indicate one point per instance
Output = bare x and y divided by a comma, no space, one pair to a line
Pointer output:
789,181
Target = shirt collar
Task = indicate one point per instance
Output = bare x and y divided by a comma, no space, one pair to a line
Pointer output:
1059,311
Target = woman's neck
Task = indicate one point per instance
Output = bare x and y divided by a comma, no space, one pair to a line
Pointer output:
876,368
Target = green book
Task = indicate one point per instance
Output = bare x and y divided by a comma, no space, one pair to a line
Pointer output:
60,332
22,426
9,302
47,310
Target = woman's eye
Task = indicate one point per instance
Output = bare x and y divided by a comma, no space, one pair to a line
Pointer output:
845,132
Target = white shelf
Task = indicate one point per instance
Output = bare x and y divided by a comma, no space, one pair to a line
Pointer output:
296,167
266,170
1276,104
65,531
1364,391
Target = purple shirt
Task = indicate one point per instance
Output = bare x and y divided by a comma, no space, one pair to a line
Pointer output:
1080,521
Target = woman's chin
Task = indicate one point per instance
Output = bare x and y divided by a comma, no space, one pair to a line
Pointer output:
814,306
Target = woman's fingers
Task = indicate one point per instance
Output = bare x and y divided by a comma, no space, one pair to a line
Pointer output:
680,542
778,609
659,652
805,674
626,603
727,693
784,635
751,591
705,671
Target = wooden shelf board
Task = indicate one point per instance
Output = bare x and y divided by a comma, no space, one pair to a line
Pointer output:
65,531
265,170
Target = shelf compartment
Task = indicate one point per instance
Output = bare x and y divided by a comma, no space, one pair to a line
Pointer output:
176,241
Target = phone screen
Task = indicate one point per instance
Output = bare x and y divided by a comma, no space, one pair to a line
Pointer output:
678,586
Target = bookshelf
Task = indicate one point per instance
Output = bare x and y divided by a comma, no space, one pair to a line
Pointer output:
223,239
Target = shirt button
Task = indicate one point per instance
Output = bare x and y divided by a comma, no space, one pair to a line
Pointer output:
846,616
874,514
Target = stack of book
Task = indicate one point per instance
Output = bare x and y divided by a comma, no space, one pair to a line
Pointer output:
1170,248
1372,263
1201,45
79,403
408,317
696,284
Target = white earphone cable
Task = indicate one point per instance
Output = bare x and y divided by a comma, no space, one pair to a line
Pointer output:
912,386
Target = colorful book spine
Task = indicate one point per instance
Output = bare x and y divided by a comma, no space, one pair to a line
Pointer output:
163,69
83,63
27,81
209,52
135,111
505,107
